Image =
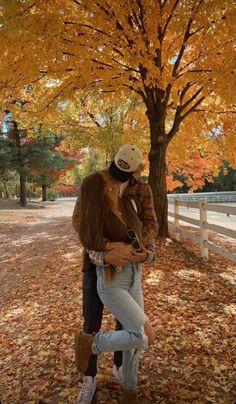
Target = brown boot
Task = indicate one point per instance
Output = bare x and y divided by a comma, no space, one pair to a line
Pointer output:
129,397
83,349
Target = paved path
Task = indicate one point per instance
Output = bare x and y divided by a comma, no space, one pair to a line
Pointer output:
33,240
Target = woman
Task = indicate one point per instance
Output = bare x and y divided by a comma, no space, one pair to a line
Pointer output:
105,216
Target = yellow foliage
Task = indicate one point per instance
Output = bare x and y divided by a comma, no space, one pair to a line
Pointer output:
178,57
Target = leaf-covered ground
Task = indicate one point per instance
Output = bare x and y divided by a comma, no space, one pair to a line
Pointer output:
192,305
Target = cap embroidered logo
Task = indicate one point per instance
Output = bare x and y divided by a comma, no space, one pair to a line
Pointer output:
123,164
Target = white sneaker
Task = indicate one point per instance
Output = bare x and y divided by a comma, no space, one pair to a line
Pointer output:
117,373
87,390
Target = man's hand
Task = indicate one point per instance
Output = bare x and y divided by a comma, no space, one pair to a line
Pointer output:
140,256
114,245
119,254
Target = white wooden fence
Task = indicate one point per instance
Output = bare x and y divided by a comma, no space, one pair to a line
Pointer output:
213,197
203,226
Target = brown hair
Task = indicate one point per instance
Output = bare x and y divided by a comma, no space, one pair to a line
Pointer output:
94,206
93,210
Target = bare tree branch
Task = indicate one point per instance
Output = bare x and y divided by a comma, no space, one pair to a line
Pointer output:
68,54
56,96
194,71
216,112
191,99
140,6
53,99
175,125
182,49
179,118
186,36
185,89
87,26
39,78
163,3
101,63
193,108
128,68
25,10
67,40
169,17
77,2
202,55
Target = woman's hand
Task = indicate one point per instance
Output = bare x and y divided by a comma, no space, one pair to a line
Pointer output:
118,258
119,254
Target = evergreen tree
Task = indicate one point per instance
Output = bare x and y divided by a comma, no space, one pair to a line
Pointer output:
46,164
34,159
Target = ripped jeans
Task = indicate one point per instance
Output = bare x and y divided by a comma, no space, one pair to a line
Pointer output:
123,298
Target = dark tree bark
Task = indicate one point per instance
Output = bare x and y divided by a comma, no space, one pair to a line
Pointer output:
44,192
157,174
157,182
7,194
23,199
156,113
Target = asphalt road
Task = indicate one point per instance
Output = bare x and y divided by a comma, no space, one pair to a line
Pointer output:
220,219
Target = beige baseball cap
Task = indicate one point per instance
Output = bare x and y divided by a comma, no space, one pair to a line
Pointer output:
128,158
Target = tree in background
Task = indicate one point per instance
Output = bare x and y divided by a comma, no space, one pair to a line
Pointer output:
8,178
14,152
192,160
34,159
103,123
226,179
48,163
177,55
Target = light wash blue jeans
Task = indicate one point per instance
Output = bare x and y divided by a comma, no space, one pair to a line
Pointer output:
123,298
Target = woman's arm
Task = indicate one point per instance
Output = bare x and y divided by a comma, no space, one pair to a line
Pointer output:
117,254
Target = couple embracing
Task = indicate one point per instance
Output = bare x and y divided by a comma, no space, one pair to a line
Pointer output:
116,223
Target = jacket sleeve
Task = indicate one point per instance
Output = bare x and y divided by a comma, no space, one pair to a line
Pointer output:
147,216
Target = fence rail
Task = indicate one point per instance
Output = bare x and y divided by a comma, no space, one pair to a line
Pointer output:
221,196
202,226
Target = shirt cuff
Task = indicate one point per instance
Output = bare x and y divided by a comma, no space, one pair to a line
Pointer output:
151,257
97,257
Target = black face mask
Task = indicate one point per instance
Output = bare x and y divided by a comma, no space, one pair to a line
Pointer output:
119,175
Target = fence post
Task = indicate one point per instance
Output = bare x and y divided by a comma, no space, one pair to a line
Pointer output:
176,219
203,230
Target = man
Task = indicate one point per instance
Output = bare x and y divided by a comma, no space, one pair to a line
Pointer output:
139,193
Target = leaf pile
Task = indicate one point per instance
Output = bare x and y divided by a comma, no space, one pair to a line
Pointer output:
190,303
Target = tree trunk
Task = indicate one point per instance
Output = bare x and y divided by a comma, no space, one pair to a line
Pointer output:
157,182
23,199
44,192
157,173
6,192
